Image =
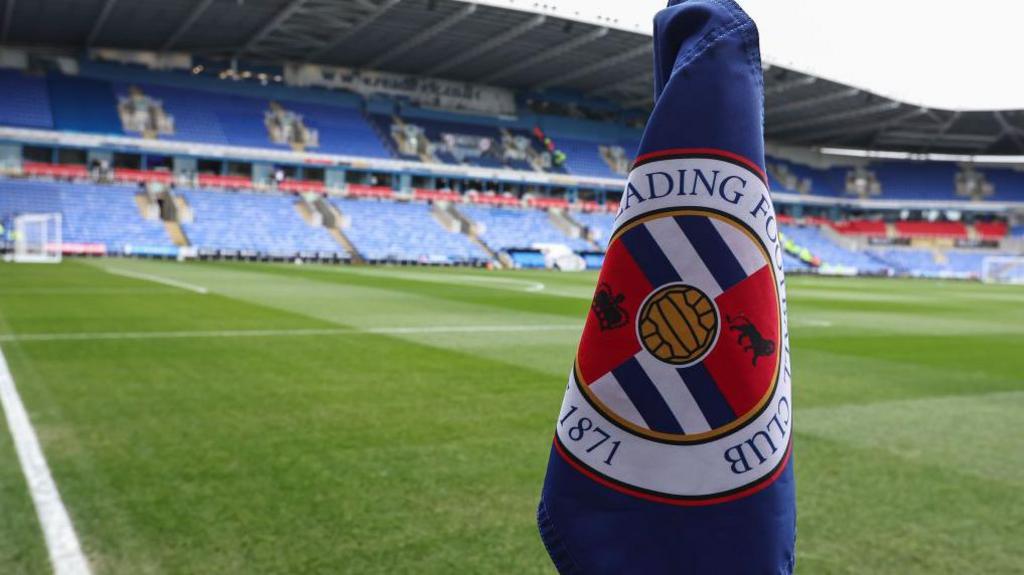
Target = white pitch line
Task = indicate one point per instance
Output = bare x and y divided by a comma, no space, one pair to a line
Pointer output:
116,335
157,279
61,540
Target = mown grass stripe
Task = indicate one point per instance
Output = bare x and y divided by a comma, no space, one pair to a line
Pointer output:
61,540
230,333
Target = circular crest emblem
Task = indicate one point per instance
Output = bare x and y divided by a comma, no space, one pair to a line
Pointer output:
678,324
681,376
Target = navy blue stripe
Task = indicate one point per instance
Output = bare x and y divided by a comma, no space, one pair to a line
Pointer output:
649,257
645,397
713,250
709,398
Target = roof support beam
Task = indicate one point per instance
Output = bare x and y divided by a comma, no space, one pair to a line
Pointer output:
786,86
370,18
643,101
836,117
287,12
546,55
860,129
645,78
812,102
485,47
186,25
424,36
8,14
101,19
945,127
595,67
1009,130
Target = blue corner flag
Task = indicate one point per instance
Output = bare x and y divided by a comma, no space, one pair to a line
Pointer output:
673,446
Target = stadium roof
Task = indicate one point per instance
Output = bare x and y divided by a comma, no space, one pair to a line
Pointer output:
491,45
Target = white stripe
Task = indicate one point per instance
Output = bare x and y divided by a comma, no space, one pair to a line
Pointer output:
61,541
157,279
117,335
747,253
683,256
608,390
673,389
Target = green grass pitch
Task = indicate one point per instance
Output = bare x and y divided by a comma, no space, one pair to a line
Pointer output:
307,419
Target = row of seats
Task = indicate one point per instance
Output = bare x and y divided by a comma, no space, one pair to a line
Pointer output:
269,223
600,225
385,230
928,263
829,252
83,104
912,261
504,229
253,222
92,214
901,180
920,229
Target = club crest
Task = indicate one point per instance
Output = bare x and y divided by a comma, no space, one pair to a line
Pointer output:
703,375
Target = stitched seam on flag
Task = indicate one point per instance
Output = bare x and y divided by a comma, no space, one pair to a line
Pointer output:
554,542
708,42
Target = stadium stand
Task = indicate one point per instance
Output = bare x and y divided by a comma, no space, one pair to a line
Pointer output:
991,230
504,229
583,158
600,224
869,228
253,223
83,105
916,181
92,214
931,229
24,100
830,252
404,232
181,108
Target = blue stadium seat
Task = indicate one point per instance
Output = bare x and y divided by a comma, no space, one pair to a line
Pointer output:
266,223
583,158
830,252
917,181
601,222
408,232
24,100
515,228
105,214
83,105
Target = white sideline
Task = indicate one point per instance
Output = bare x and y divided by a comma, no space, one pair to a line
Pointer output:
440,329
157,279
61,540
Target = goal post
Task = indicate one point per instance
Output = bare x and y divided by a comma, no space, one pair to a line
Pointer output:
36,238
1003,269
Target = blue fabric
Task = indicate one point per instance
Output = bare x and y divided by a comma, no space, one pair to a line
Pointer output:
709,94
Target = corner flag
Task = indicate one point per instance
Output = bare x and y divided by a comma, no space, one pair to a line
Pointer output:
672,449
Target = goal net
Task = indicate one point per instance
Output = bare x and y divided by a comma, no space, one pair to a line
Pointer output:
36,238
1003,269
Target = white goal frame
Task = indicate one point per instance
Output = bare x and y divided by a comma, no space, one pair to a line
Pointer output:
37,238
994,269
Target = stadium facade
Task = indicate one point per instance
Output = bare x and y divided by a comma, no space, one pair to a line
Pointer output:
443,132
